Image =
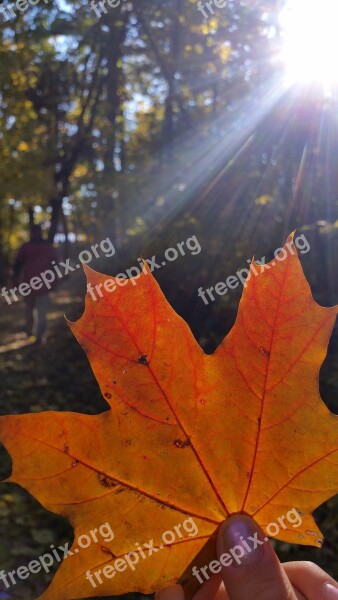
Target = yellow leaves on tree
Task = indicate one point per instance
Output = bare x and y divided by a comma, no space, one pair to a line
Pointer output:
187,435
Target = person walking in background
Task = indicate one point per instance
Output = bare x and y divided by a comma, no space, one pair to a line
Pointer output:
34,258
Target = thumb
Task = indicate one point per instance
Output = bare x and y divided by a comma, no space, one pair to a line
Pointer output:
250,567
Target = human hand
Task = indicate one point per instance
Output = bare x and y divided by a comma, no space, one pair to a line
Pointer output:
259,574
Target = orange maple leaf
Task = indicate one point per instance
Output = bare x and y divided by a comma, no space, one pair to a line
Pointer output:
188,436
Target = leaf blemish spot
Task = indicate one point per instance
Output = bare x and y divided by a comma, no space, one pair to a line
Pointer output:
107,396
107,551
265,352
143,360
106,481
180,444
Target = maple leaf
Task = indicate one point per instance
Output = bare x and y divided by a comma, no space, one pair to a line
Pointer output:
188,435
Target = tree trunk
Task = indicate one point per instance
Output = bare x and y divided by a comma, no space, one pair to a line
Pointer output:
3,265
31,216
56,206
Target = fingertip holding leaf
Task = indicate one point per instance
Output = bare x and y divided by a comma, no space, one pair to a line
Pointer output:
174,592
255,436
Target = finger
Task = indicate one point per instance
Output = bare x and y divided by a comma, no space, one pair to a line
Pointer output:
213,589
174,592
311,580
250,567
